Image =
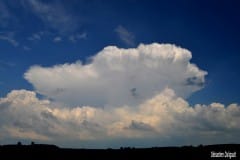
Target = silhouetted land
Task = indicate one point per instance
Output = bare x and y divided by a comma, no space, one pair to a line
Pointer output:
43,152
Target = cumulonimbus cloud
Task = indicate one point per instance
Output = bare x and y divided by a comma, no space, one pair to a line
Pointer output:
118,76
121,95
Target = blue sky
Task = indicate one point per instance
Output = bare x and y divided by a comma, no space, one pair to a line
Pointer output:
48,33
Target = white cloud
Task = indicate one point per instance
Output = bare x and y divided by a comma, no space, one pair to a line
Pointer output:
126,36
82,35
72,38
35,37
163,117
118,76
26,48
57,39
10,40
9,37
53,14
6,64
76,37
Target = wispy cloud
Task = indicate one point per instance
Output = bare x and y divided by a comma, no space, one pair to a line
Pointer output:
59,22
34,37
75,38
26,48
40,35
9,37
4,14
57,39
8,18
126,36
6,64
54,15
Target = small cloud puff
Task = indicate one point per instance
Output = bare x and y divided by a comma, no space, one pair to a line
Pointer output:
57,39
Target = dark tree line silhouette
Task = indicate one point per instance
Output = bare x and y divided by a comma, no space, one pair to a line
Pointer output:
52,152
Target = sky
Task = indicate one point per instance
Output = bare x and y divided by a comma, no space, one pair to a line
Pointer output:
98,73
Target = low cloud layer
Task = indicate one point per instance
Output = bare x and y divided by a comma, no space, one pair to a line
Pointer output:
122,95
119,77
163,117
